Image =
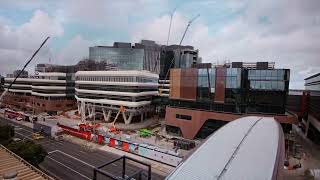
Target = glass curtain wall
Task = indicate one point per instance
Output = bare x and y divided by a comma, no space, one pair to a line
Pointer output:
206,83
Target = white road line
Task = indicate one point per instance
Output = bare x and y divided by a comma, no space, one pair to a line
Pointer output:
23,135
26,130
69,168
71,157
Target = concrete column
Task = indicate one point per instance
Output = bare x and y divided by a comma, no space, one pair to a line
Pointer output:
83,111
106,116
142,115
307,129
127,120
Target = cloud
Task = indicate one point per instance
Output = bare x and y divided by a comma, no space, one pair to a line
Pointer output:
289,35
17,44
75,50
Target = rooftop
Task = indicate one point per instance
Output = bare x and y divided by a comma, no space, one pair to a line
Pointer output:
11,162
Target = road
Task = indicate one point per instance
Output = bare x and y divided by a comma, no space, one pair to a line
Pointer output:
67,160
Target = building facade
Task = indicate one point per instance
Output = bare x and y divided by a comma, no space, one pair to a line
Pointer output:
23,74
312,88
151,60
112,92
44,92
202,100
121,55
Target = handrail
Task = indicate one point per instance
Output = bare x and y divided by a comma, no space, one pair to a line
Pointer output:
26,163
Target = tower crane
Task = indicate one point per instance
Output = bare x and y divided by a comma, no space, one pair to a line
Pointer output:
183,36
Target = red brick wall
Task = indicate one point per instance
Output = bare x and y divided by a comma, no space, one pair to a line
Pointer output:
24,102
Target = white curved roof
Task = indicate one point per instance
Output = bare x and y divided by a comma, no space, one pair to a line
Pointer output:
117,73
246,148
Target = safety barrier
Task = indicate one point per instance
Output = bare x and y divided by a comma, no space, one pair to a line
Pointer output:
144,150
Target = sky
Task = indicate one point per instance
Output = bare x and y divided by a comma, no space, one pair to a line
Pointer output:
286,32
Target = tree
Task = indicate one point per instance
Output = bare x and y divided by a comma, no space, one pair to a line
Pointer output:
6,134
29,151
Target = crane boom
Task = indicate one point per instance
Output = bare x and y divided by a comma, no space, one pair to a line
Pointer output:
184,34
24,67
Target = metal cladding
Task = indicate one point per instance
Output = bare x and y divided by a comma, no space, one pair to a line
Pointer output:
220,84
183,83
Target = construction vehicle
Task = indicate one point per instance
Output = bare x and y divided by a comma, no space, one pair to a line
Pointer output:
48,129
114,129
144,133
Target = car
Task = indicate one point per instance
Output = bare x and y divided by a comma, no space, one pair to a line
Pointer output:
16,139
19,118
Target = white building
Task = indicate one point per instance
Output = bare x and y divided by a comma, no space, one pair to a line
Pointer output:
50,92
108,91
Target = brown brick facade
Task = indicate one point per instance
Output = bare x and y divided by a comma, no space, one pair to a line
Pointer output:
32,103
183,83
190,128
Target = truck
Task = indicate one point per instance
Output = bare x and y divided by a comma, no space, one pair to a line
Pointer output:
49,129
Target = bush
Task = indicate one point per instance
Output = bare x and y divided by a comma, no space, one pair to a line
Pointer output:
6,134
29,151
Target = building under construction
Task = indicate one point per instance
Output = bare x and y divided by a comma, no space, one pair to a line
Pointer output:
204,99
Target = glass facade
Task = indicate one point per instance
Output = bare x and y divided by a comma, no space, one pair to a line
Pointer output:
267,79
233,79
121,58
206,82
240,90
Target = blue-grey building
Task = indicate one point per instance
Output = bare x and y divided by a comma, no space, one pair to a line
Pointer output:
121,55
124,56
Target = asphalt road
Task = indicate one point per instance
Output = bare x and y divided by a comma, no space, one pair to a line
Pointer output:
66,160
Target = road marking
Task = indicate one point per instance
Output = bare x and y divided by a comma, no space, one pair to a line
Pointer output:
71,157
69,168
26,130
23,135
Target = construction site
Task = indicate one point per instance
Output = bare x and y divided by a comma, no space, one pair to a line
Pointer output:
150,111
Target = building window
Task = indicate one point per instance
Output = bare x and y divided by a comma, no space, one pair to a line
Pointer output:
184,117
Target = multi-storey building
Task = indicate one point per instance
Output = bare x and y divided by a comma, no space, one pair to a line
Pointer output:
202,100
151,60
19,95
44,92
123,56
312,88
108,92
23,74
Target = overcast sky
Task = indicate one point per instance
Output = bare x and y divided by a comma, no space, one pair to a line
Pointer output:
283,31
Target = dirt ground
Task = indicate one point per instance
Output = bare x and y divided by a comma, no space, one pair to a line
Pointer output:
310,159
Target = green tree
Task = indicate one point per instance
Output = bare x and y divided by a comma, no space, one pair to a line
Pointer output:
29,151
6,134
